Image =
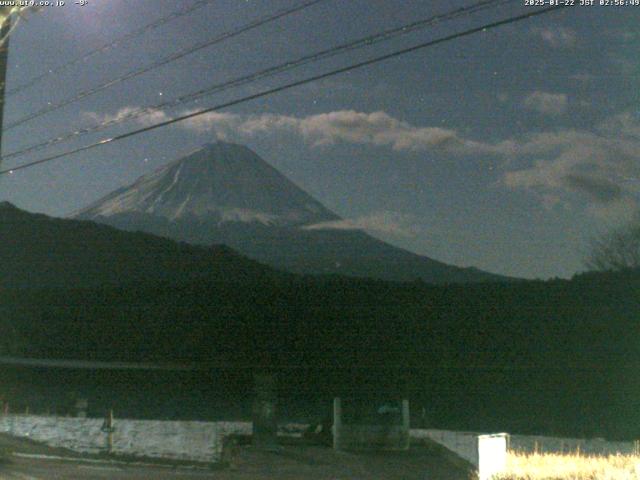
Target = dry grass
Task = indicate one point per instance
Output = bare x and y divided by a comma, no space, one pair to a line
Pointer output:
546,466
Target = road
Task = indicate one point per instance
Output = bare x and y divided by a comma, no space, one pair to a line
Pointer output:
30,468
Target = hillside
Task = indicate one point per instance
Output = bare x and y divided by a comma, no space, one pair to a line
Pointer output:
38,251
556,357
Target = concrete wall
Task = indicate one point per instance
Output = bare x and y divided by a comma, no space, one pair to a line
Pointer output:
464,444
488,453
193,441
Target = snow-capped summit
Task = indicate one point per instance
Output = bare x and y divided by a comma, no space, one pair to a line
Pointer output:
221,181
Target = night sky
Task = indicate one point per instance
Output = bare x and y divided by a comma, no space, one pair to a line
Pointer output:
506,150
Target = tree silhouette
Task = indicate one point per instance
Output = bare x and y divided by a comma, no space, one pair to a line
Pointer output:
616,250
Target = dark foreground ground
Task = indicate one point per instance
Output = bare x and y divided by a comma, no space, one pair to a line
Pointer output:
28,461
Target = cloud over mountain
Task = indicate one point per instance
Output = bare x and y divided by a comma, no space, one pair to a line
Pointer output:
386,222
348,126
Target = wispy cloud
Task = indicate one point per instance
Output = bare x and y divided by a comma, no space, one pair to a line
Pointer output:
393,223
143,116
546,103
602,165
600,189
377,128
347,126
557,36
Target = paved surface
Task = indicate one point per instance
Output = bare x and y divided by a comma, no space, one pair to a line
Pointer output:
40,469
24,460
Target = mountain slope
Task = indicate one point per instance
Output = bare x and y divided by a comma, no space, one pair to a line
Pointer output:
226,194
36,251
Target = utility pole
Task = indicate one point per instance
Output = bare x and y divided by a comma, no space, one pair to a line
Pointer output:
7,15
4,61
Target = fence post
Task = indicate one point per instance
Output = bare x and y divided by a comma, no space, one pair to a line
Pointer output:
110,435
337,423
265,421
406,424
107,427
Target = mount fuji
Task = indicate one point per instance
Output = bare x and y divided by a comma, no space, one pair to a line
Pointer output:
225,193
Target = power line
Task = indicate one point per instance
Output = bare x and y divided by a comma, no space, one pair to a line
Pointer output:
224,365
176,56
114,43
91,364
272,71
288,86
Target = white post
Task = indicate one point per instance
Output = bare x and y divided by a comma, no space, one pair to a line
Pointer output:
492,455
